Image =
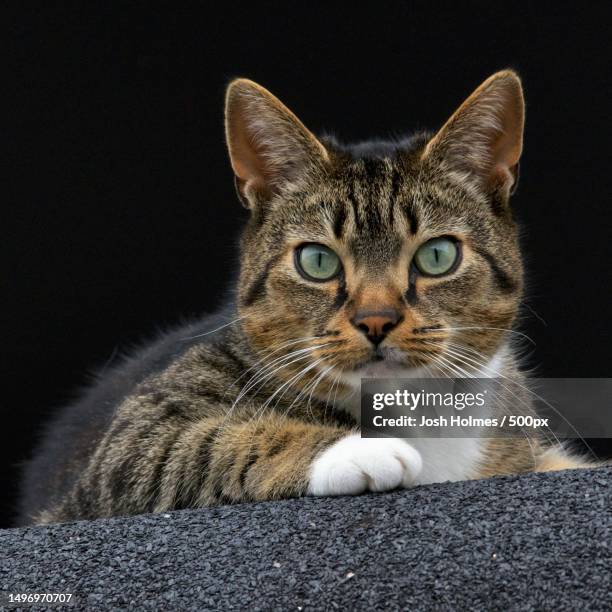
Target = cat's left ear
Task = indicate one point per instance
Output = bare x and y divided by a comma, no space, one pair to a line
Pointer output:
269,146
482,141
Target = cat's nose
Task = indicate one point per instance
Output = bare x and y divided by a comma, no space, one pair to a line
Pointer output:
376,324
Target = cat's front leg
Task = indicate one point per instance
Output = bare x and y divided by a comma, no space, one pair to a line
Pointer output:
277,457
355,464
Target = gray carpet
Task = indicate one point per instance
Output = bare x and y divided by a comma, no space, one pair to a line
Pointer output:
540,541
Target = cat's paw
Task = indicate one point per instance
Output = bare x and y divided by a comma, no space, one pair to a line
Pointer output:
355,464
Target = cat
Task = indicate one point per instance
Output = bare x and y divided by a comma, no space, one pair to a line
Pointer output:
386,258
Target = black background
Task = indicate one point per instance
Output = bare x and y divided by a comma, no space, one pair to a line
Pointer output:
121,215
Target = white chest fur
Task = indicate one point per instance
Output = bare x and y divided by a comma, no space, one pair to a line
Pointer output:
442,459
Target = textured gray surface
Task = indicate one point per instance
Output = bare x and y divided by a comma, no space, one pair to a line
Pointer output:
540,541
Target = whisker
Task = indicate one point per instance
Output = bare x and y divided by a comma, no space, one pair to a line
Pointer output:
481,328
258,378
502,404
335,384
535,314
269,354
531,392
212,331
291,380
262,409
312,386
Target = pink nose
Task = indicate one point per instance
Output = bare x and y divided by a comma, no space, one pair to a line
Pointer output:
376,324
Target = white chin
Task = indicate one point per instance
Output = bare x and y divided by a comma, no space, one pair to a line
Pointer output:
382,369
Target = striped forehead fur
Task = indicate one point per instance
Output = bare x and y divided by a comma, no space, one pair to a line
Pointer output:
375,203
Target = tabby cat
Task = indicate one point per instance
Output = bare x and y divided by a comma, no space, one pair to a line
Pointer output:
380,259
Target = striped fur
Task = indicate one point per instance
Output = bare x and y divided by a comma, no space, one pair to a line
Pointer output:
205,417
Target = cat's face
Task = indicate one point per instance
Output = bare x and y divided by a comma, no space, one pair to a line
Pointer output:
375,260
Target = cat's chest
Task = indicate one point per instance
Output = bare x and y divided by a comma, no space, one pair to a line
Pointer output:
444,459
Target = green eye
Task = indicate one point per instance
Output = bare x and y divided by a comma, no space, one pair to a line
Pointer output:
437,257
317,262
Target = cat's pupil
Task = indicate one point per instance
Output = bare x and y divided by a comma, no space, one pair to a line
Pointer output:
317,262
436,257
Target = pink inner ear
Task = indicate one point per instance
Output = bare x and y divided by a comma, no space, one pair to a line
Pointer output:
267,143
247,169
245,160
502,174
485,133
507,149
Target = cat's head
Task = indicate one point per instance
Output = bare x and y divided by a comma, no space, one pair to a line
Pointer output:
380,257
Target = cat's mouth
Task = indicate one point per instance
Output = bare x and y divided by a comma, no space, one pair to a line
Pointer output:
381,354
383,361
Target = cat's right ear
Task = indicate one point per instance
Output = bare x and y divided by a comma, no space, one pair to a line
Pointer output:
268,145
482,141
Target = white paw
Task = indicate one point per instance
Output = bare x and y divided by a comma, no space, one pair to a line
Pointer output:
355,464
